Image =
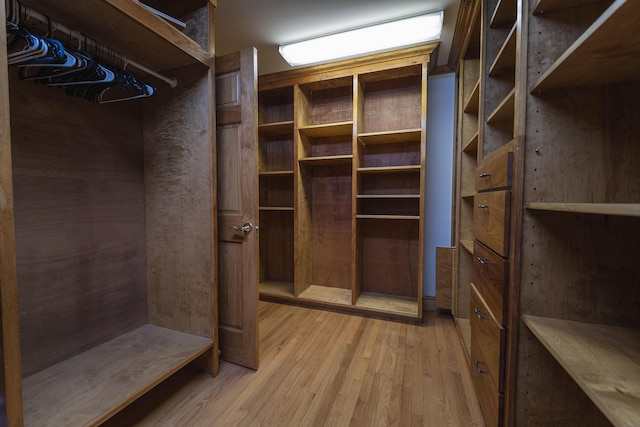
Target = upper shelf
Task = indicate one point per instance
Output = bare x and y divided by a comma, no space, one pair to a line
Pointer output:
506,58
549,5
473,103
128,28
504,13
607,52
276,128
326,130
390,137
602,360
617,209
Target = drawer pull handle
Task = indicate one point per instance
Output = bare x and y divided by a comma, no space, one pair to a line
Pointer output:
485,175
480,371
483,261
483,206
480,316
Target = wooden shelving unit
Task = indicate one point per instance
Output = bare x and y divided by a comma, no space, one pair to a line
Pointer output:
504,13
506,58
107,308
472,104
359,150
504,111
601,359
544,6
618,209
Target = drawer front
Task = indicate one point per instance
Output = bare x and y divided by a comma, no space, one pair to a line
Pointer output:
491,401
491,213
491,275
495,171
487,339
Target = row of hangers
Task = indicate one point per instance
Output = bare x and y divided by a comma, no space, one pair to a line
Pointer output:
87,69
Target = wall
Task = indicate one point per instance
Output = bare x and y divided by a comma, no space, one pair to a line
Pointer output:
439,172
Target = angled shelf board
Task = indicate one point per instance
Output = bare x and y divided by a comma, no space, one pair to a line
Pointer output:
505,110
136,32
326,130
472,145
388,196
327,160
276,128
383,303
390,137
392,217
468,245
506,59
504,13
390,169
617,209
551,5
473,103
606,53
89,388
276,173
276,208
603,361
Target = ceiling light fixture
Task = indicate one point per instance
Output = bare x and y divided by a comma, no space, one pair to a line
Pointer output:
376,38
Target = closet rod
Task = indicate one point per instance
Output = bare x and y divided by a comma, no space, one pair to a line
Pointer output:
79,36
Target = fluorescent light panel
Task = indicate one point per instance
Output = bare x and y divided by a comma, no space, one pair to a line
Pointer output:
389,35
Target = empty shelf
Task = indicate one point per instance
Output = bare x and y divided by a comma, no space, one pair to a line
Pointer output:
619,209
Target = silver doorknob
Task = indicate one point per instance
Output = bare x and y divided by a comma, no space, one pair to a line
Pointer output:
245,228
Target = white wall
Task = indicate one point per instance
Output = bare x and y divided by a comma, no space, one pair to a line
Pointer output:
439,172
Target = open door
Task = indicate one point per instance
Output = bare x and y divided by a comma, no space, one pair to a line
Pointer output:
236,136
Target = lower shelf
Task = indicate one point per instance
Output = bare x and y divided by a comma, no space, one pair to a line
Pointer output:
89,388
340,299
603,360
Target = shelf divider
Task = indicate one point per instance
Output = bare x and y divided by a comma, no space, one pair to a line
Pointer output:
619,209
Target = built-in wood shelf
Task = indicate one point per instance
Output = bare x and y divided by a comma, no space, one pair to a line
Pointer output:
140,35
467,245
506,59
276,173
505,110
327,294
276,128
327,160
329,129
276,288
606,53
603,360
90,387
388,196
390,136
504,13
618,209
473,103
390,169
391,304
276,208
390,217
551,5
472,145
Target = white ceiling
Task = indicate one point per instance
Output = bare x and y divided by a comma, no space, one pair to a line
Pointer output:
266,24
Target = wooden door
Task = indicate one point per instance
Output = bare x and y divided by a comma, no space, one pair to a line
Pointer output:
237,125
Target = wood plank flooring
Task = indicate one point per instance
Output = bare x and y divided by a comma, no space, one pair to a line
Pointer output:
320,368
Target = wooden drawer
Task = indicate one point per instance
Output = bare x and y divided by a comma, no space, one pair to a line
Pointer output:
496,170
491,213
487,340
491,277
491,401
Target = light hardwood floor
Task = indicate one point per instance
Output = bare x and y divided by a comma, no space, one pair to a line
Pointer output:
320,368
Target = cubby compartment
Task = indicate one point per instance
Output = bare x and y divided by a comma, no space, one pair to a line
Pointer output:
325,102
391,100
324,231
275,107
276,190
388,262
276,252
276,150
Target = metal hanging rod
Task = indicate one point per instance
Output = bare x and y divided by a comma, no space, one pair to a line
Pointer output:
30,13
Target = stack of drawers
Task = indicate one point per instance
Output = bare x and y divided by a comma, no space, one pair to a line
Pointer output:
489,290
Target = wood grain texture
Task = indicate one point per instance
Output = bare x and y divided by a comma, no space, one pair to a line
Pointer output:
491,213
80,232
444,277
179,202
496,170
89,388
323,368
10,379
603,360
491,277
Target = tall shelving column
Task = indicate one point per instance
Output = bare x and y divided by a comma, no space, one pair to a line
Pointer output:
276,153
469,81
578,346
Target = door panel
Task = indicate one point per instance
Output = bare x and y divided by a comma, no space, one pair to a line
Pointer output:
236,136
